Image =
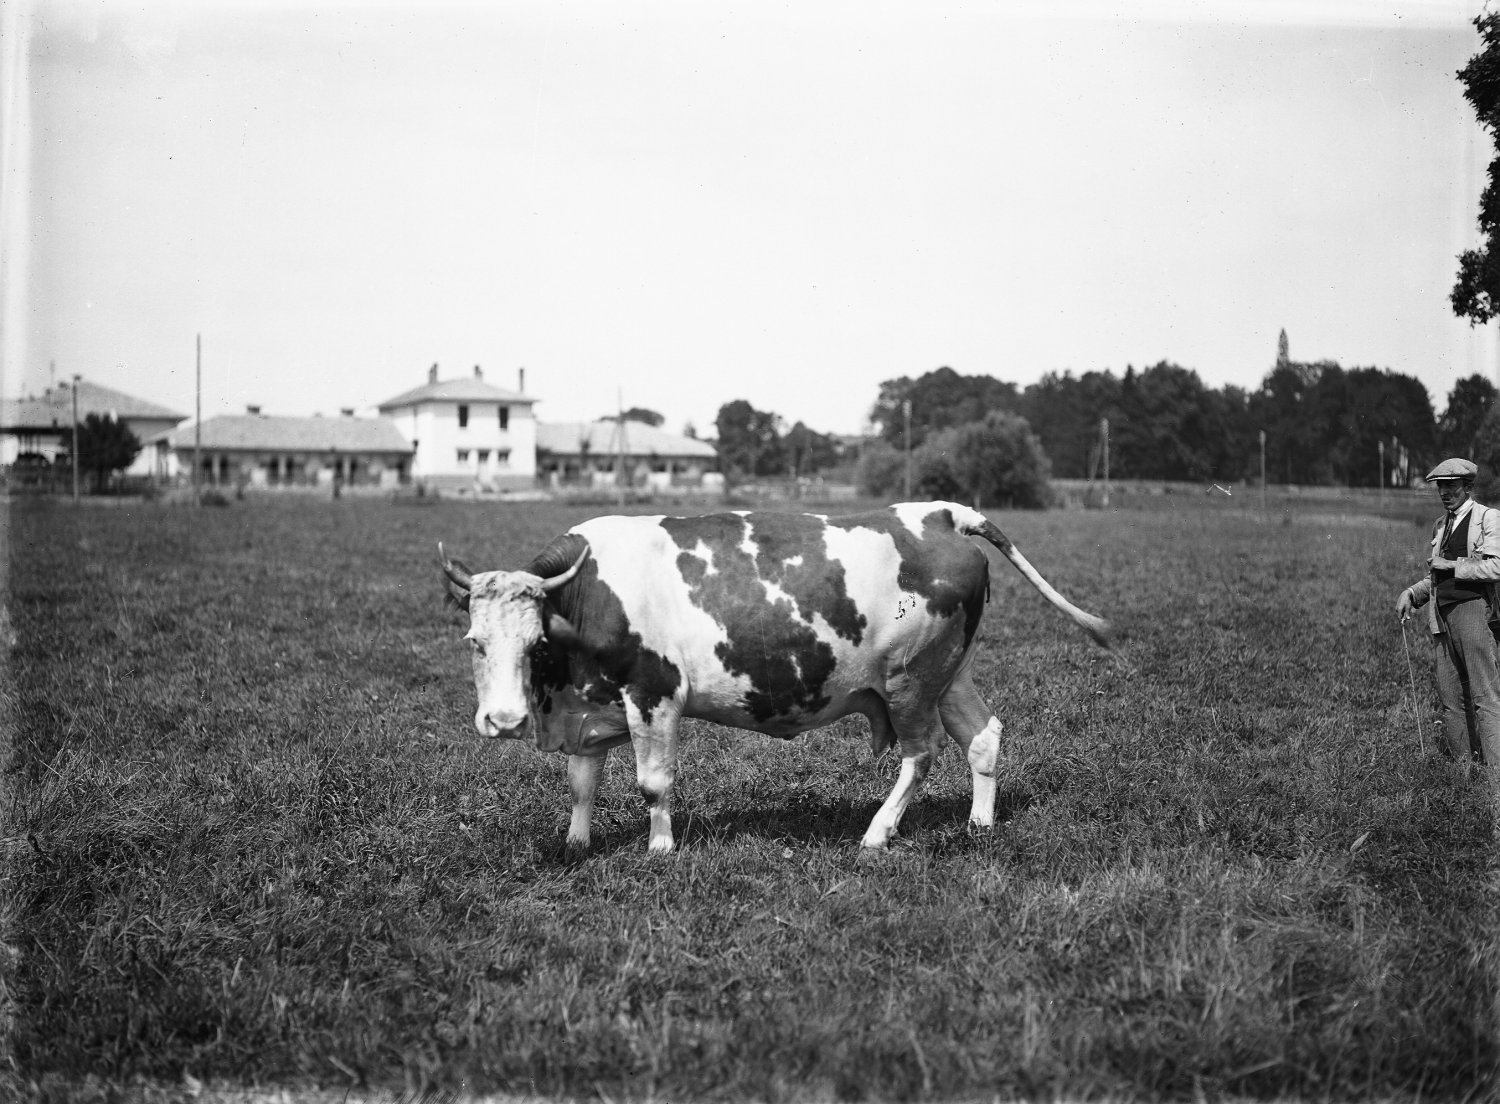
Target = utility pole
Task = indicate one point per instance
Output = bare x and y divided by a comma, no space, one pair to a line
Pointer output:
1104,441
1382,477
906,412
1263,474
74,449
620,444
198,424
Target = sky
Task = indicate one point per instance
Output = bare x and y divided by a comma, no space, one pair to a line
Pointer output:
674,205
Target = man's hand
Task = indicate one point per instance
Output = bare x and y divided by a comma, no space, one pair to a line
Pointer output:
1404,606
1437,563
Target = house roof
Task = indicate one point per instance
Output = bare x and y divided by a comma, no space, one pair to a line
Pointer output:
468,389
55,407
270,433
569,438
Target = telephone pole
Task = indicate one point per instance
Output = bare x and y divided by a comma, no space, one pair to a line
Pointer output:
74,449
906,412
1104,443
198,423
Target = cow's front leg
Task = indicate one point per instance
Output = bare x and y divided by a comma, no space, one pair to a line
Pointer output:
583,781
655,742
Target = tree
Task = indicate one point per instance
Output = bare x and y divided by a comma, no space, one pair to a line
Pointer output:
1476,293
105,445
996,461
1064,412
809,451
1486,454
749,440
880,470
1000,462
941,399
1164,427
637,414
1468,403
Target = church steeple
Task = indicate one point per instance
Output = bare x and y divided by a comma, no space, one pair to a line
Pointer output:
1283,351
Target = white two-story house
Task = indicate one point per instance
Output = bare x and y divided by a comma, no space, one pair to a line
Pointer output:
467,433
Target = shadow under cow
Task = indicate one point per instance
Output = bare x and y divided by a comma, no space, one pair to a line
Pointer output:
807,819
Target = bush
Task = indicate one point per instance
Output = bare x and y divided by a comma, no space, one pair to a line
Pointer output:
880,471
997,461
1487,456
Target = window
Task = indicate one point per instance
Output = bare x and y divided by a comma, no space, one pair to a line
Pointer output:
463,456
505,417
484,456
463,415
502,457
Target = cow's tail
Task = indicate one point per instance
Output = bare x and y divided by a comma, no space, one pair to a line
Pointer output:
972,523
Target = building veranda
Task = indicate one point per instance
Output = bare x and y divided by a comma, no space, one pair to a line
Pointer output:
269,451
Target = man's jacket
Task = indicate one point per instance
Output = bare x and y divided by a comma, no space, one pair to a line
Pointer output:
1481,562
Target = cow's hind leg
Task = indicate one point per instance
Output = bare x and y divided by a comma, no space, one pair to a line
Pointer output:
918,732
583,780
973,727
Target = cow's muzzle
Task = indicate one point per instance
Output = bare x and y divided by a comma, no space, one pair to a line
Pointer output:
497,725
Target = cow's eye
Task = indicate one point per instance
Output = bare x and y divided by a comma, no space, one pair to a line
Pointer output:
477,645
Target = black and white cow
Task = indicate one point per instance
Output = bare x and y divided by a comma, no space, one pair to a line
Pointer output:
768,621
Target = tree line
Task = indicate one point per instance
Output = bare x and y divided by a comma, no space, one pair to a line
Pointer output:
975,436
1323,423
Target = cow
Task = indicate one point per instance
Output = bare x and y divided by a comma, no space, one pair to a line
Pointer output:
774,622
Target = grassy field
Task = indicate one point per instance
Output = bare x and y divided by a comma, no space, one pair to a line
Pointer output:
250,838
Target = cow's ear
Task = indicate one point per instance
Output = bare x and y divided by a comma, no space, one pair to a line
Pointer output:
560,630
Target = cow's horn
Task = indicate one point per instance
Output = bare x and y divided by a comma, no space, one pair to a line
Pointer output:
454,571
558,580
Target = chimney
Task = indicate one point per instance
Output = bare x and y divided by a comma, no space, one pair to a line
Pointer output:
478,372
432,373
252,410
521,380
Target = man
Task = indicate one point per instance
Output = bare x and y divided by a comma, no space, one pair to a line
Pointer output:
1460,596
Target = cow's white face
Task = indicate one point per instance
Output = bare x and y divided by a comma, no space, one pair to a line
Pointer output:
505,623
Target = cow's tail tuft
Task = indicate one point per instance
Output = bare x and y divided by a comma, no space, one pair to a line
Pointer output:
971,522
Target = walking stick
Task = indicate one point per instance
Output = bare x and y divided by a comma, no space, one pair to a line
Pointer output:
1411,674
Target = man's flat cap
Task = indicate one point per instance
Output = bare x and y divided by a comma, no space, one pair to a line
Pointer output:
1455,467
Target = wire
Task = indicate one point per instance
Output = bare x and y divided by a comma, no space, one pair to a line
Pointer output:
1411,674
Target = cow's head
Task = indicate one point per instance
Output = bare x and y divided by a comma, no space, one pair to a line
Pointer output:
508,616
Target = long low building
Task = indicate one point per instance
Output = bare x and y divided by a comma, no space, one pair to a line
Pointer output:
259,450
594,453
37,428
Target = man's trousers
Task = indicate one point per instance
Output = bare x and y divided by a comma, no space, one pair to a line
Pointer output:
1469,684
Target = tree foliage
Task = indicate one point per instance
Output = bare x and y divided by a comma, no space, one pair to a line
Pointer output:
749,440
1486,454
808,451
637,414
1468,403
1476,292
995,461
941,399
105,446
1323,424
